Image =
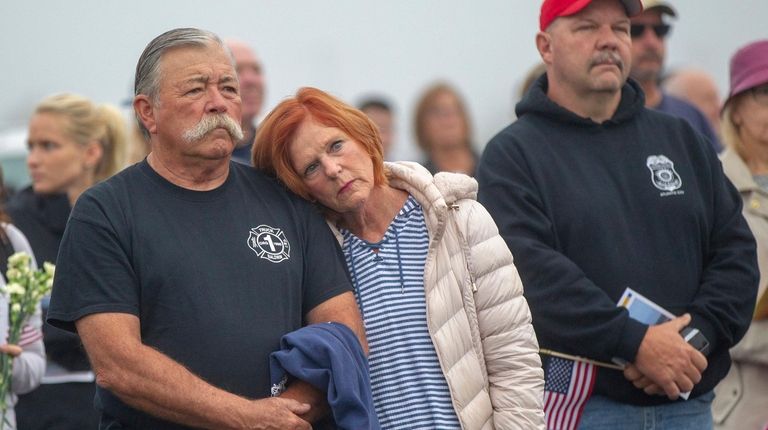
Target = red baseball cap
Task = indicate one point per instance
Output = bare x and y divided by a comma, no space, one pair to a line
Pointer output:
552,9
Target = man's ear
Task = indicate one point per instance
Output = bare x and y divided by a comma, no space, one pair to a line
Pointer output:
544,46
145,110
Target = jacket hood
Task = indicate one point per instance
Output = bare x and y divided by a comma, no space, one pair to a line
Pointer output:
427,189
536,102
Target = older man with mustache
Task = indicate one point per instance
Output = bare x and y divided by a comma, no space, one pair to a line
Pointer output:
594,194
649,32
182,272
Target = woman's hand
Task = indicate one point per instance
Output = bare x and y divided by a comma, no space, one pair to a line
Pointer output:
10,349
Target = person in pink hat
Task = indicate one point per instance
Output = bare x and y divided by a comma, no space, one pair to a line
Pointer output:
599,197
742,396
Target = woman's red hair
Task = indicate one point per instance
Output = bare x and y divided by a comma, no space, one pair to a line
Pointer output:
277,131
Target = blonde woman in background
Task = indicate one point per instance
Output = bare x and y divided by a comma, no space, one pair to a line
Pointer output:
443,131
742,397
73,144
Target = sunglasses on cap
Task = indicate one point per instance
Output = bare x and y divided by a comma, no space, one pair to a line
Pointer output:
661,30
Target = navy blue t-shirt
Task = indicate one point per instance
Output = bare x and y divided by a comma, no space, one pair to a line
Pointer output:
216,277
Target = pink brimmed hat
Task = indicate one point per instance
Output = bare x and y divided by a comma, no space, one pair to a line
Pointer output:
749,67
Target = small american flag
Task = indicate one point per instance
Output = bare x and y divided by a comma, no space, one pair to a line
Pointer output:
568,384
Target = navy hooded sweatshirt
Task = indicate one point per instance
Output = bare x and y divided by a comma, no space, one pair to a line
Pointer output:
639,201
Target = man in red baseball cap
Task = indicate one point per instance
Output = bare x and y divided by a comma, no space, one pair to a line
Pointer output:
600,198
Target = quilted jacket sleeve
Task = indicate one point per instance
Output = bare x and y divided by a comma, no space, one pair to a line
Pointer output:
509,343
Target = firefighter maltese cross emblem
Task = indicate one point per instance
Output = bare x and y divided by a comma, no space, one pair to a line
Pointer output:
663,173
269,243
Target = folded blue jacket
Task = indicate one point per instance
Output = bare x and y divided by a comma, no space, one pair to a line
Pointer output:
329,357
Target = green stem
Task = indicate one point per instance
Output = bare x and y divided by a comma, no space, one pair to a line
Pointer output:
6,361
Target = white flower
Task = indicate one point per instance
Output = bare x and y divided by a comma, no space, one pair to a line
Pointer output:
19,259
25,288
15,289
13,273
49,268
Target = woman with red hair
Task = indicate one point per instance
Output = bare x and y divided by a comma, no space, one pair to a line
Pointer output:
449,331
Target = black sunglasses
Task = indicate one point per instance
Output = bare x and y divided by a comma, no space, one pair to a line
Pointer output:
661,30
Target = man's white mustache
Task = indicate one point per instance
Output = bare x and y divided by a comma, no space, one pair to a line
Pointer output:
212,122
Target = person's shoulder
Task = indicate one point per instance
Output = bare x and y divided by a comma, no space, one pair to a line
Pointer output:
112,193
117,184
21,200
525,134
258,178
675,103
662,118
681,108
514,132
26,205
268,186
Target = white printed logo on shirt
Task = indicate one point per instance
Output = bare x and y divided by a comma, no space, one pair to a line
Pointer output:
269,243
663,174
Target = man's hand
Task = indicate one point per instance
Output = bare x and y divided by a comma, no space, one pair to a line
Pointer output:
305,393
632,373
277,413
10,349
665,360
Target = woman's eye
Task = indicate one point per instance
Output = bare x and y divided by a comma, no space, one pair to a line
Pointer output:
335,146
45,145
310,169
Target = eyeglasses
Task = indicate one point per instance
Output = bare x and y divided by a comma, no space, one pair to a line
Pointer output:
661,30
760,94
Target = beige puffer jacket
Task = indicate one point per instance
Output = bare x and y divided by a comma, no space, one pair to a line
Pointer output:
478,319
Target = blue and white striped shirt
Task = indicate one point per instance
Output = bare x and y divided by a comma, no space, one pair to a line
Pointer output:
409,388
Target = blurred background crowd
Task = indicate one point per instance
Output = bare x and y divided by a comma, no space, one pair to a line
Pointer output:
439,78
391,50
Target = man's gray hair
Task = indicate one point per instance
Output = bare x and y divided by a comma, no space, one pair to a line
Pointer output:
148,68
